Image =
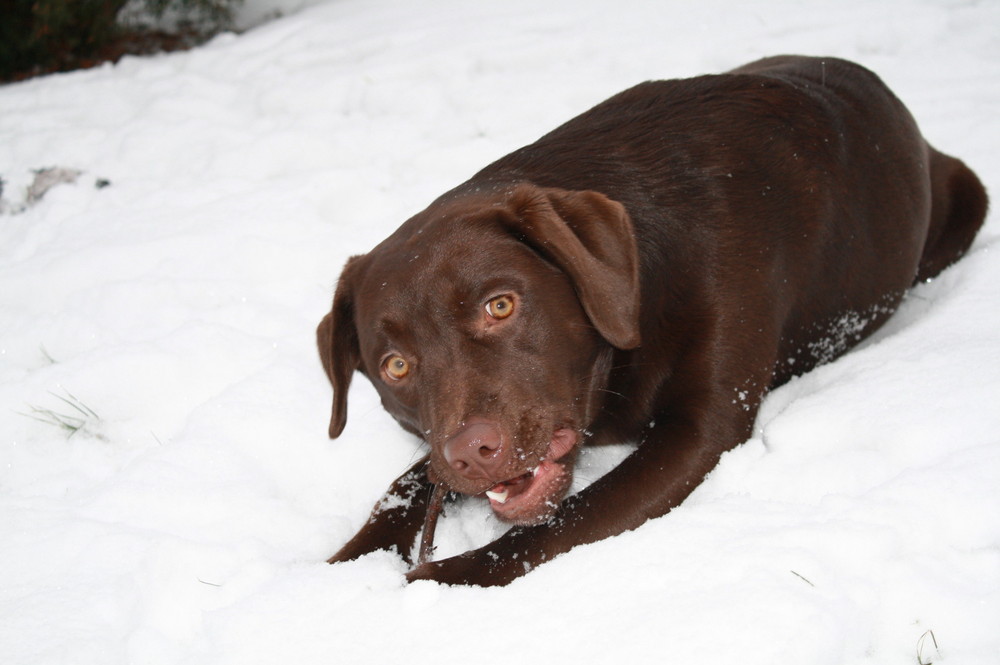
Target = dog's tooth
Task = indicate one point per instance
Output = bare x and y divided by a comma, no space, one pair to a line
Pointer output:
499,497
534,472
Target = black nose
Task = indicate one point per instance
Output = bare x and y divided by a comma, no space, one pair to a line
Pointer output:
475,451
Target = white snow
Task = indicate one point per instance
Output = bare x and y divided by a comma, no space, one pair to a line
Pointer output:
189,520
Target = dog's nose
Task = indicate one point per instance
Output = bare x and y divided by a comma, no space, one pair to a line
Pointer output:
475,451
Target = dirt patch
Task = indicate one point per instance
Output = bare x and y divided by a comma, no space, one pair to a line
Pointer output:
126,42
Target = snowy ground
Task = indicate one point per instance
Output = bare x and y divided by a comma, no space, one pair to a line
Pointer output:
187,521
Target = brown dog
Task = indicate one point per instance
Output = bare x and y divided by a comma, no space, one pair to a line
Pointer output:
646,272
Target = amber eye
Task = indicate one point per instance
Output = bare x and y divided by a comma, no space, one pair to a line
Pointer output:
500,307
396,367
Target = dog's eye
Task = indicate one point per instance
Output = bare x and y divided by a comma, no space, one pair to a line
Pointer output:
500,307
396,367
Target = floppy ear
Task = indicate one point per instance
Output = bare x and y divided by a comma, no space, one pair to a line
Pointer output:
337,338
590,238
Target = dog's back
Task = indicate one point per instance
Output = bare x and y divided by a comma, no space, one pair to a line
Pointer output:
958,198
806,179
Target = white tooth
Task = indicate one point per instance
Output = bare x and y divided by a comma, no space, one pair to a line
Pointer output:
499,497
534,472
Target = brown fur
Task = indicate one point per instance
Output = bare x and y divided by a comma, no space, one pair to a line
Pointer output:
669,256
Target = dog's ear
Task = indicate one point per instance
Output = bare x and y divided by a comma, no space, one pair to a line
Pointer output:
337,338
590,238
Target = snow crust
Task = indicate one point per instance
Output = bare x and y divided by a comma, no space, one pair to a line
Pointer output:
170,317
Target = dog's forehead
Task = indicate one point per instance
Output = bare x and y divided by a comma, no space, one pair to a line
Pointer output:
440,262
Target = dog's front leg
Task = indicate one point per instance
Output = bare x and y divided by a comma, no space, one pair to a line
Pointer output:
655,478
396,518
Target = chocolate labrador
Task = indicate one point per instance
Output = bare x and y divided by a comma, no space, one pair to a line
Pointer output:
646,272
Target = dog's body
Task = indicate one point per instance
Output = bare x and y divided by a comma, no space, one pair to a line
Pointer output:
646,272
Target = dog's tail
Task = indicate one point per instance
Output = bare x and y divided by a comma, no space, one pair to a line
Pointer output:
958,208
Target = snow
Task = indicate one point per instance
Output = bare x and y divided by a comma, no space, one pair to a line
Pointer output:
188,520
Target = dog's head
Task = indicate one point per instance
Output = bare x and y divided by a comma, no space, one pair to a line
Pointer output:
487,324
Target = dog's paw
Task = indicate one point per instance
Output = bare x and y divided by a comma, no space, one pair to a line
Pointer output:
481,567
459,570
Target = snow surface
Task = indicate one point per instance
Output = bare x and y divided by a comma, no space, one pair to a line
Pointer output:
188,518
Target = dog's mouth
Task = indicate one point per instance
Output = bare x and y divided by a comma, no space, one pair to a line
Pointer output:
533,497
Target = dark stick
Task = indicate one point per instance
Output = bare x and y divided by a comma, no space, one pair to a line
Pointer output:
430,523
